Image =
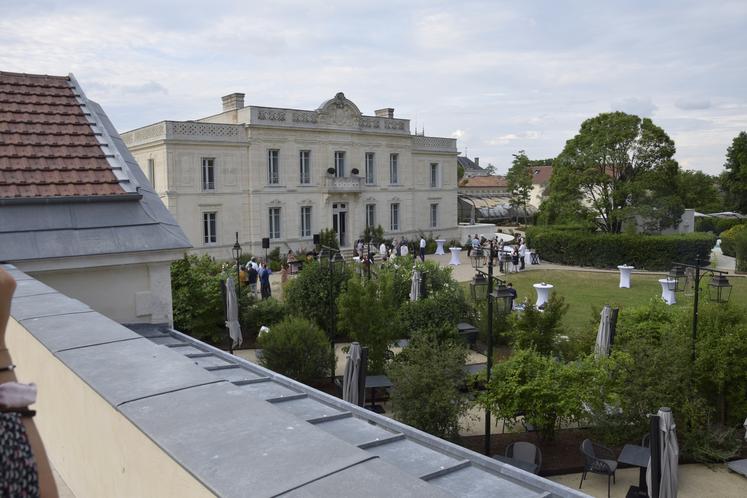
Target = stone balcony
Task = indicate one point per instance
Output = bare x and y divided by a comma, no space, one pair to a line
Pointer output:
342,184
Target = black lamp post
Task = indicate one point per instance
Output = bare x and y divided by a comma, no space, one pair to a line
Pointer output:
237,257
719,290
481,289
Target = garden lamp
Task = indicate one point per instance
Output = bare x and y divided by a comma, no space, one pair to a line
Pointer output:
719,289
478,287
677,273
237,257
502,298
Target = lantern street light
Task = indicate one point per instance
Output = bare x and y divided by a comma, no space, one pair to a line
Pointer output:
719,289
481,289
237,257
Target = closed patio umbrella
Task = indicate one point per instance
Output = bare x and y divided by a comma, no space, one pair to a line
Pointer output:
350,379
415,285
669,457
232,314
602,346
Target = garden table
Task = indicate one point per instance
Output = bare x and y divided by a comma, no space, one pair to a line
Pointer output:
637,456
667,290
543,293
440,247
625,272
455,255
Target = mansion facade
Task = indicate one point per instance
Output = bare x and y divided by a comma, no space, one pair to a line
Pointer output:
286,174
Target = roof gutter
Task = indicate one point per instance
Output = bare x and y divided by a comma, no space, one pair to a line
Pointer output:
71,199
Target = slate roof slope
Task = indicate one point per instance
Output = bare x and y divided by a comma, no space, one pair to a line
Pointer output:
243,430
470,166
68,185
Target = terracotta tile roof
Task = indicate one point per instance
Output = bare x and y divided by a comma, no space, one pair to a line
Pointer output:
484,182
47,145
541,174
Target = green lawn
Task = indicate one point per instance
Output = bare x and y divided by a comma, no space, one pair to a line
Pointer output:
586,290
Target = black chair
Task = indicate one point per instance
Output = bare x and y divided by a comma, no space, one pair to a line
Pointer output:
525,452
599,460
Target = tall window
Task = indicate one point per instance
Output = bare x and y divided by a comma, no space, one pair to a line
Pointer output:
208,173
434,175
209,228
339,163
305,167
370,215
273,167
152,172
394,216
306,221
393,168
434,215
274,223
369,167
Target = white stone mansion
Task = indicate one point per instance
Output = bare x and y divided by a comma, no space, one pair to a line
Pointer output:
286,174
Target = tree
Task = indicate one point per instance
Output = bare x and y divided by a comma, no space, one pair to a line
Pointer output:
539,329
699,191
490,169
734,179
427,376
520,183
621,166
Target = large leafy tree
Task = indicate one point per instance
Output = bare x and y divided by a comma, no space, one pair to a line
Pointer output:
699,191
734,179
620,166
520,183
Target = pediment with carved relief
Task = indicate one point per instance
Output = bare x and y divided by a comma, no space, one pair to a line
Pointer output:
339,111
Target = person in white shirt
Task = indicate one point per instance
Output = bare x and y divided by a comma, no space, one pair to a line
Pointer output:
422,248
382,250
522,254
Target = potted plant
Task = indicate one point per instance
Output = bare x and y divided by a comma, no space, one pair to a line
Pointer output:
331,171
354,171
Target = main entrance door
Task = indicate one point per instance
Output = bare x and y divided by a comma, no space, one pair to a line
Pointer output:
339,221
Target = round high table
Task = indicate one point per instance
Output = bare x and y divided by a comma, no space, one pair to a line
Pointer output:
440,246
625,272
543,293
667,290
455,255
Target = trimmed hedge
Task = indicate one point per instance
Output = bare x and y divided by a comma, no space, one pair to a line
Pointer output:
728,239
605,250
716,225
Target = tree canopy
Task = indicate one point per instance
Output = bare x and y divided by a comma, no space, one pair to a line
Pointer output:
734,179
520,182
619,165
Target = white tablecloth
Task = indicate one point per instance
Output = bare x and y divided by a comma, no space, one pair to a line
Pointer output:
667,294
440,246
543,293
455,255
625,272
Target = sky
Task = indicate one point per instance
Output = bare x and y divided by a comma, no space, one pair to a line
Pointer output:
498,76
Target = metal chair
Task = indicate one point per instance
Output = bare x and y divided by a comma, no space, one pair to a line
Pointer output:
599,460
525,452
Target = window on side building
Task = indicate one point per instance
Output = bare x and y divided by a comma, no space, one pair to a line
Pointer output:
209,228
339,163
369,168
394,169
434,175
274,223
306,221
273,167
305,167
434,215
370,215
208,173
394,217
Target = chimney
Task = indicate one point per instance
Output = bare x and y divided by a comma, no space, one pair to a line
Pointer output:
233,101
387,112
477,161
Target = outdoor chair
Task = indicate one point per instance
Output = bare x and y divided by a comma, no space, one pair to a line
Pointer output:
598,460
525,452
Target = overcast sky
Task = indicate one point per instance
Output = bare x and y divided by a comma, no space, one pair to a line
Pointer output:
500,77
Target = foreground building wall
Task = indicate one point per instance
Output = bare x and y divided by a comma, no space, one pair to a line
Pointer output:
268,175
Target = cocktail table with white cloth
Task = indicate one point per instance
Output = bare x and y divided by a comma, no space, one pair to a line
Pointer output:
667,290
625,272
543,293
440,247
455,255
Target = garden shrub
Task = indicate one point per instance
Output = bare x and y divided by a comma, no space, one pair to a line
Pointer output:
427,376
606,250
298,349
729,239
266,312
715,225
447,306
539,330
740,250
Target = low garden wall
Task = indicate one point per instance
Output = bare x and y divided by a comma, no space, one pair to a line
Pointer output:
604,250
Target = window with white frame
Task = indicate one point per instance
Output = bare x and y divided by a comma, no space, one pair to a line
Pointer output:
369,168
434,175
434,215
306,221
393,168
274,223
370,215
152,172
208,173
339,163
273,167
209,228
394,216
305,167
